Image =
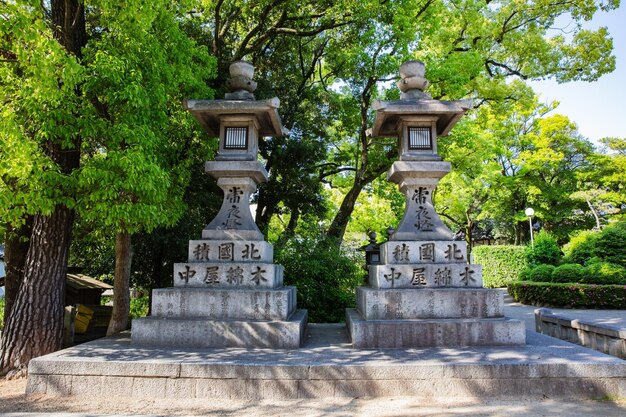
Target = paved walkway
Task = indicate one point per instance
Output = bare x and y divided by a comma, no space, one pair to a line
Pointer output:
527,313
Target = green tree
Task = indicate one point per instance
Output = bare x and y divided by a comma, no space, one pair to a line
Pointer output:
472,48
602,186
40,88
135,177
98,86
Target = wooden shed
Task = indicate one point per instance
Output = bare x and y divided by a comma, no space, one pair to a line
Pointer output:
82,289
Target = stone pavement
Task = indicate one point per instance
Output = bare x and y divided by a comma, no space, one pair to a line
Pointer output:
519,311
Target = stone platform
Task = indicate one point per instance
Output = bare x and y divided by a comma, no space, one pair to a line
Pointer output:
327,366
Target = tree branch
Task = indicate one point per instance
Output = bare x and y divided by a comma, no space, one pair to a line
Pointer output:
510,70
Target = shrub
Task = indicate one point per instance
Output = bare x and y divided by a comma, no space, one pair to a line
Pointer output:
326,278
610,245
598,272
501,263
541,273
546,250
568,273
569,295
139,307
581,247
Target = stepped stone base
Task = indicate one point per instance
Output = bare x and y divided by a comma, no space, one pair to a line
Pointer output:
220,303
429,303
433,332
328,367
205,333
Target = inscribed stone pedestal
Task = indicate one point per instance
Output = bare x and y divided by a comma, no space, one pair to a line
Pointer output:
229,293
424,292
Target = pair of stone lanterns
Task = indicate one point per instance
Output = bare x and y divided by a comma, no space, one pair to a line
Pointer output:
422,293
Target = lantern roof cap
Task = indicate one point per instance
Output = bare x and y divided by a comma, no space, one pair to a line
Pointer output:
209,112
389,113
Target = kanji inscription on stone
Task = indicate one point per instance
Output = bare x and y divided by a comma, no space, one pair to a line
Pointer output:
420,195
466,276
427,252
392,277
423,220
453,253
211,276
418,277
186,274
201,252
401,253
257,276
234,195
226,251
250,252
443,277
232,218
234,275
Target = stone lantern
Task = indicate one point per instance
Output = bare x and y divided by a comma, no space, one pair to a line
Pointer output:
229,293
372,251
417,120
424,293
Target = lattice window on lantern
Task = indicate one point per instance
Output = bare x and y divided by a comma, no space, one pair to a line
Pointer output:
420,138
236,138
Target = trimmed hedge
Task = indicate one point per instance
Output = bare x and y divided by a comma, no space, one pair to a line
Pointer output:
502,264
546,294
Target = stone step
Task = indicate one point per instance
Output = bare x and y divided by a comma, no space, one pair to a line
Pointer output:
423,251
219,303
203,333
230,251
228,275
429,303
327,366
433,332
426,275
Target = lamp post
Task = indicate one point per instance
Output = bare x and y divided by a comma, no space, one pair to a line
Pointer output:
530,212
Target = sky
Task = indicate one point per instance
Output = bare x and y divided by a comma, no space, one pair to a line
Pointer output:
598,108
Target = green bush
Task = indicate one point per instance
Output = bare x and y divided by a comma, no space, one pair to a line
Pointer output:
546,250
581,247
501,263
598,272
326,278
569,295
139,307
540,273
611,245
568,273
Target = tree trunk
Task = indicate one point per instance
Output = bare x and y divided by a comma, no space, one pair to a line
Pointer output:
595,214
338,227
16,248
35,324
264,211
293,221
469,225
121,283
